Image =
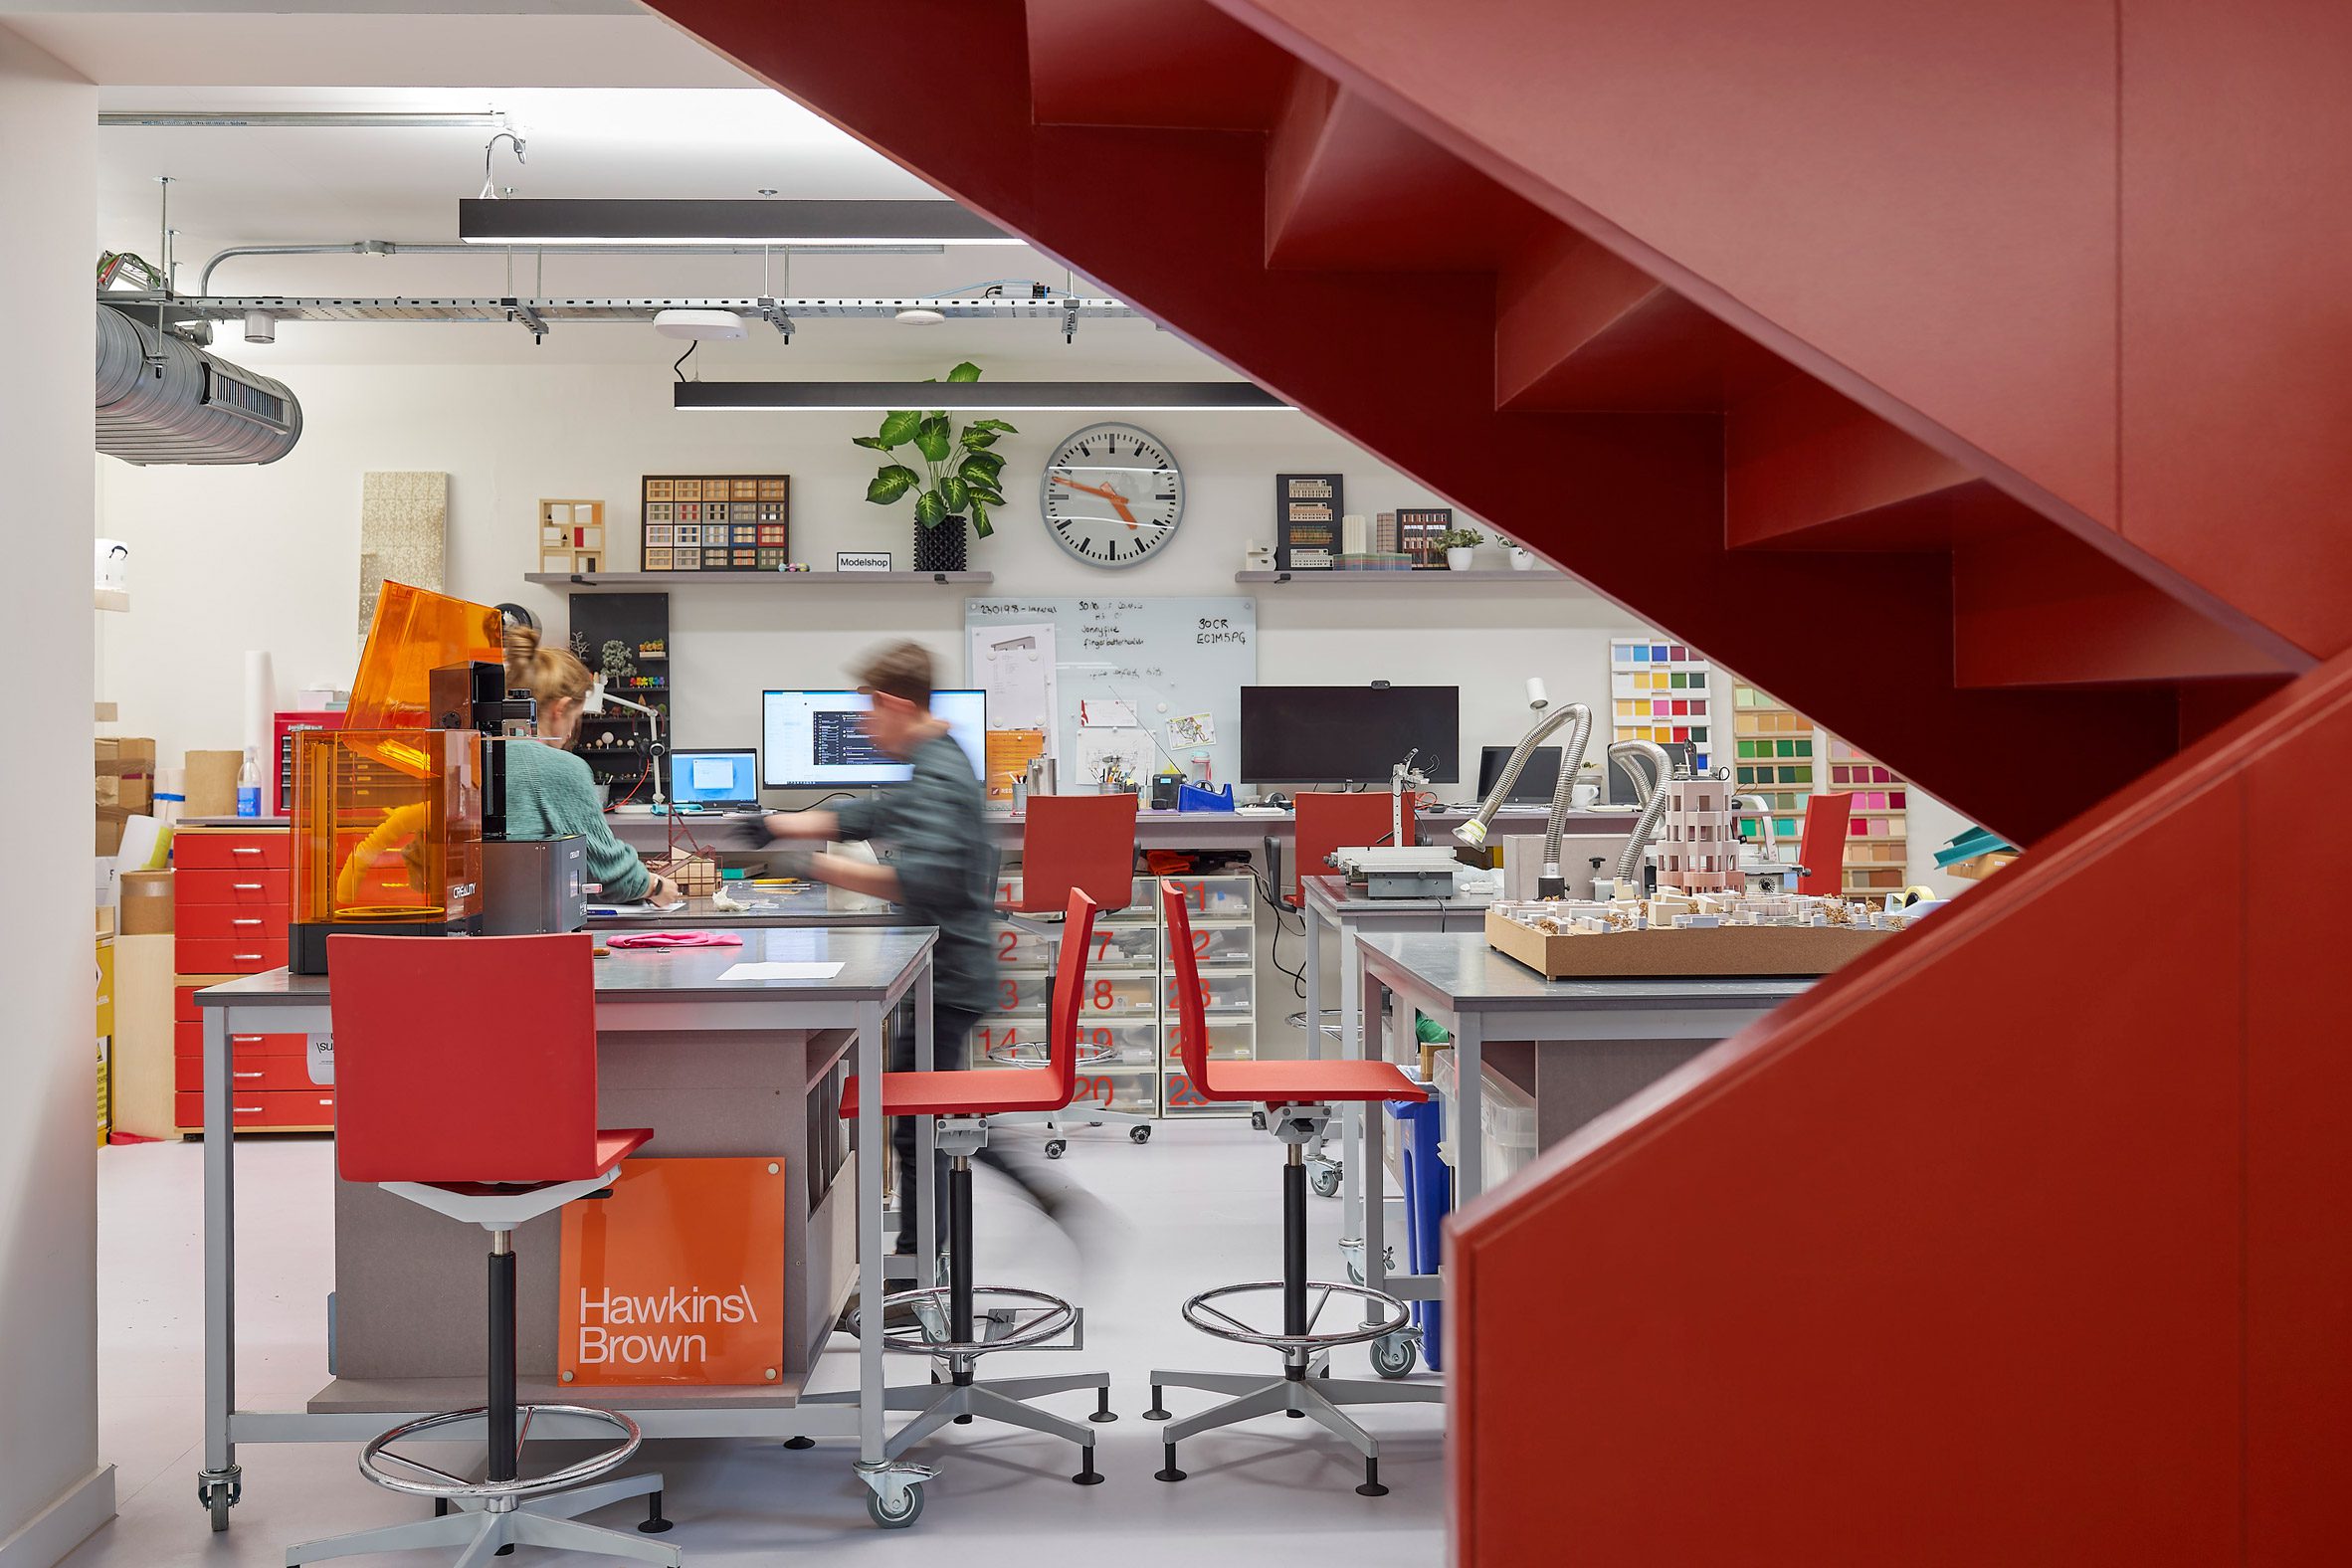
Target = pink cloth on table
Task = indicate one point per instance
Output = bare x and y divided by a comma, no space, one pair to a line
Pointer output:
673,940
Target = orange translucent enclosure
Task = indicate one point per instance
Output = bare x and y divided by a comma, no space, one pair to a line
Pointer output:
417,632
387,826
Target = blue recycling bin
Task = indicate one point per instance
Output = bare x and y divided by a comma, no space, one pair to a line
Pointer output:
1429,1194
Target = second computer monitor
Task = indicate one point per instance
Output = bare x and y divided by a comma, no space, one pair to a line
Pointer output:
814,740
1348,735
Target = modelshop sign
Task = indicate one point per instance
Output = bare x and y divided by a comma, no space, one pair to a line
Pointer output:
678,1277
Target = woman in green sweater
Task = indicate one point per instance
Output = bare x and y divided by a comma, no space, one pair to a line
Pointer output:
549,792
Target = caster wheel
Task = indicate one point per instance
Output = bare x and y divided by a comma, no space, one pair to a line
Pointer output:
218,1506
217,1498
909,1510
1393,1355
1054,1149
1139,1134
1325,1178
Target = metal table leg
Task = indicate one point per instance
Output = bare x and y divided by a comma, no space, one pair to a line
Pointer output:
926,1133
220,1485
1365,1196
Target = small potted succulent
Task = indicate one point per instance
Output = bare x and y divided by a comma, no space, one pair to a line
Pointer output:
1521,558
959,479
1460,546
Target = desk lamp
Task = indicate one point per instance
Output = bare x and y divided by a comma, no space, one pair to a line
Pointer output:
594,705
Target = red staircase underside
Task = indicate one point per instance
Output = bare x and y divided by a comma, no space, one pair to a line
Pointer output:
2021,1241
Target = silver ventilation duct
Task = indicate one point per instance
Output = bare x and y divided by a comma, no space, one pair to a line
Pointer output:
161,399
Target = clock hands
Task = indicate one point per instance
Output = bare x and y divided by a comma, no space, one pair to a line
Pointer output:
1117,501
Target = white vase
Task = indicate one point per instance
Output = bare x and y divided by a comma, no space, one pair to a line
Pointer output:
1521,560
1458,560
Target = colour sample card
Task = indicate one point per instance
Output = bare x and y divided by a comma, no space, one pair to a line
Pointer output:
1657,690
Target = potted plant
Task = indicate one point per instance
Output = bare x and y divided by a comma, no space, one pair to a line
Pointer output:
959,478
1521,558
1460,546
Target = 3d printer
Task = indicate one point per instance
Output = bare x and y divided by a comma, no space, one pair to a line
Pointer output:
395,817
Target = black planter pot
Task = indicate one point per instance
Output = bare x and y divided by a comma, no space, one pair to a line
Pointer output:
945,546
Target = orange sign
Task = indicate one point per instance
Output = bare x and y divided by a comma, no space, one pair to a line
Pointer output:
1010,751
678,1277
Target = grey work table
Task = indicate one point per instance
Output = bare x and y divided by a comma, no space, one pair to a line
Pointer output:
1610,1037
1333,901
665,999
801,904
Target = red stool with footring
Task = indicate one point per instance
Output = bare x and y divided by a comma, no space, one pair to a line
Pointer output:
1300,1097
513,1020
951,1325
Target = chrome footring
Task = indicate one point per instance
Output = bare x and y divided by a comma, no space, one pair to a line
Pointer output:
1019,1053
458,1490
1211,1320
932,1308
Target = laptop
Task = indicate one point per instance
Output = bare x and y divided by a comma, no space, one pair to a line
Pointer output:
1536,780
715,782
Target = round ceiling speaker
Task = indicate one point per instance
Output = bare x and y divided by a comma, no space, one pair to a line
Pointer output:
915,317
701,325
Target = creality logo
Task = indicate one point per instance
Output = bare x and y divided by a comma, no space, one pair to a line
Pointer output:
666,1330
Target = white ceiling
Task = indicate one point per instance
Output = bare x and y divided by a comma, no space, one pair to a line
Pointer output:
611,102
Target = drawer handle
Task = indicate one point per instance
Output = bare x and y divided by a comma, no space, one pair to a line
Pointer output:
247,1040
248,1075
245,1110
245,886
245,923
243,850
241,957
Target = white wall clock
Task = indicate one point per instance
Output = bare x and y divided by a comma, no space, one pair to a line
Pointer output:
1112,496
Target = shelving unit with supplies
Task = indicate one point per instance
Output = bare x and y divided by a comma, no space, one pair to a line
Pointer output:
1130,1006
626,638
1784,756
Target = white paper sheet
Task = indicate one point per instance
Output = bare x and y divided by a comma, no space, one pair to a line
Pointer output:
782,972
1118,757
1015,666
1096,712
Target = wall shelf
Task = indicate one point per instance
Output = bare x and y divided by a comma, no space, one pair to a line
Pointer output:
1411,580
672,580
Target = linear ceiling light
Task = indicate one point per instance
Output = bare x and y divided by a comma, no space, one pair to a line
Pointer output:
982,396
665,221
299,120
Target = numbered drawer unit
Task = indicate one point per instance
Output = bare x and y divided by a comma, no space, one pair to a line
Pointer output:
1223,911
270,1087
1127,1079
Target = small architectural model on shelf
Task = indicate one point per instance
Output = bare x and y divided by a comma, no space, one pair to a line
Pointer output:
1421,532
1307,510
571,537
722,522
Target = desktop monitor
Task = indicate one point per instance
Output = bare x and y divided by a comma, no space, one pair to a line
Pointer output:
1348,735
813,739
1536,780
714,780
1618,789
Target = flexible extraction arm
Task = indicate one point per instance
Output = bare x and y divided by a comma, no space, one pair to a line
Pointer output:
1472,834
1651,792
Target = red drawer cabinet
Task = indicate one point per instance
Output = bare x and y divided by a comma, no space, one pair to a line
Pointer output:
276,1109
250,886
252,1073
259,849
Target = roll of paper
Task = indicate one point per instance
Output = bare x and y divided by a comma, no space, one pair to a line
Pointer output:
261,702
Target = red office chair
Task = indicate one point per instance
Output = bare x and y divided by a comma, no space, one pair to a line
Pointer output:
512,1019
1070,844
1331,822
1299,1098
1822,852
962,1102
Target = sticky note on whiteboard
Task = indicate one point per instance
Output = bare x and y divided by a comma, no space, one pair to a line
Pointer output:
712,773
1105,714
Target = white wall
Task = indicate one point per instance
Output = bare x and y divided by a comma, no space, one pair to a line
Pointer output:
52,1490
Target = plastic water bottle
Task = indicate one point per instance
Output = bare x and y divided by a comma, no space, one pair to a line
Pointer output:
248,786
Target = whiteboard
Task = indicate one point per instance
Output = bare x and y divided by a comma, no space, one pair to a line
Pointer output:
1173,660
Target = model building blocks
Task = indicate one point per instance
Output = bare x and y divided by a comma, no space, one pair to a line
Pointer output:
571,537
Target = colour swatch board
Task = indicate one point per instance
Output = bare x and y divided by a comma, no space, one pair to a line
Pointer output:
1773,756
1658,692
1783,756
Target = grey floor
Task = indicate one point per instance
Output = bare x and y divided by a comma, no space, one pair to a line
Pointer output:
1199,1206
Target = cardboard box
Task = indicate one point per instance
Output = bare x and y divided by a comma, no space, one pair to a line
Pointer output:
212,783
145,903
1800,950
